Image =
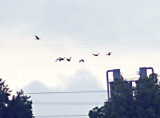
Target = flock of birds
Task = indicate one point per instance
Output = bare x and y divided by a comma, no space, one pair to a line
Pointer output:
81,60
69,59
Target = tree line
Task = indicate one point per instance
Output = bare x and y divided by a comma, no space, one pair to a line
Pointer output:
14,106
140,101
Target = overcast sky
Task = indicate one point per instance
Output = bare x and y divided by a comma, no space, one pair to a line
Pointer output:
77,29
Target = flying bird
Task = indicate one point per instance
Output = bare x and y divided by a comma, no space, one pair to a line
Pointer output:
68,59
109,53
96,54
37,38
58,59
81,60
61,58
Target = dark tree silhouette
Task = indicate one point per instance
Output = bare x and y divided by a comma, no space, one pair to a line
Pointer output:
19,106
147,97
141,101
4,98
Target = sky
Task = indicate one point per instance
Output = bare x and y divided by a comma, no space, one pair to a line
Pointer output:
77,29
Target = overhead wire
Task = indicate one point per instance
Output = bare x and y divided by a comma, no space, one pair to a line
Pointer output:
73,92
63,116
67,103
68,92
79,44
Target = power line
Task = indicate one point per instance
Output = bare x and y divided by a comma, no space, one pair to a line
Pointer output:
62,64
63,116
67,103
79,44
68,92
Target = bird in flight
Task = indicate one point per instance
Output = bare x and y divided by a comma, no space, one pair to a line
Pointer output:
81,60
109,53
68,59
58,59
61,58
96,54
37,38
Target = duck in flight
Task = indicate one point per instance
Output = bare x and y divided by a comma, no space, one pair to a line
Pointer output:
81,60
96,54
68,59
109,53
37,38
60,59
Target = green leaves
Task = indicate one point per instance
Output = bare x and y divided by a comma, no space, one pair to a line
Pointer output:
18,107
127,102
22,104
147,96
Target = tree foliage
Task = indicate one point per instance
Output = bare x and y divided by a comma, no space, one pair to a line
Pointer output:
16,106
141,101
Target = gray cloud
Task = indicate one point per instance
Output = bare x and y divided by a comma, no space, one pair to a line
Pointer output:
83,80
89,20
79,21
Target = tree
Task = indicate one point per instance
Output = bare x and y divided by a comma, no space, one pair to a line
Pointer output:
97,112
131,102
19,106
147,97
4,98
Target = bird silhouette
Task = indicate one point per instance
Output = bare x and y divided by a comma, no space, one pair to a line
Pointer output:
81,60
37,38
68,59
61,58
96,54
58,59
109,53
